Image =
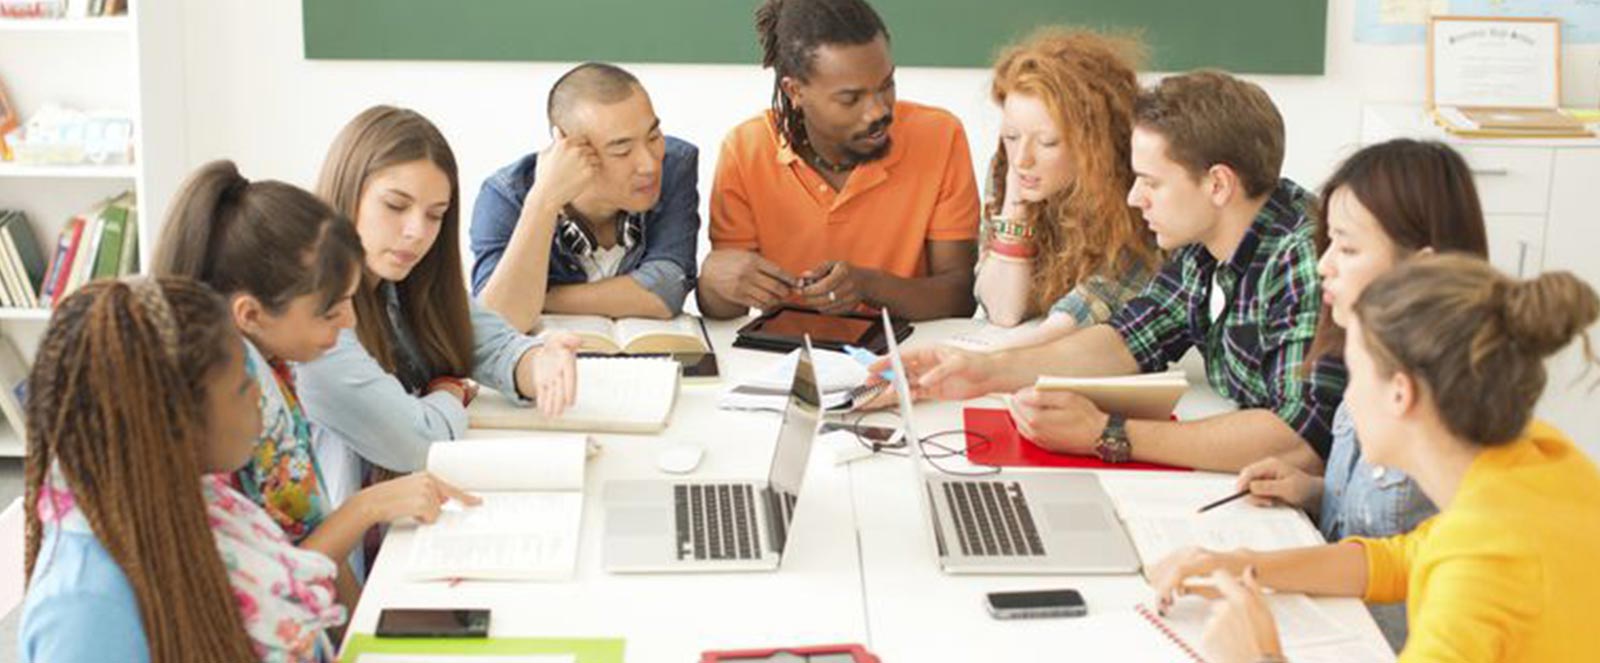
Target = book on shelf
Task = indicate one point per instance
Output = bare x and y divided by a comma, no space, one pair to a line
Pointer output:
13,386
527,526
100,243
22,263
685,334
1509,122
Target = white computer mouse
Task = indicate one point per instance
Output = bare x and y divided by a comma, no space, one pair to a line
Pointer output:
680,458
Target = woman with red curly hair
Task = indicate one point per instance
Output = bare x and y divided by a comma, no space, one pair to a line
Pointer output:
1058,236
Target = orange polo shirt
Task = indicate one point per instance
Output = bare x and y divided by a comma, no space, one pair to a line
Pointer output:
769,200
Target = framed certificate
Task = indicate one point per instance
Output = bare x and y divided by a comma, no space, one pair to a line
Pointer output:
1494,62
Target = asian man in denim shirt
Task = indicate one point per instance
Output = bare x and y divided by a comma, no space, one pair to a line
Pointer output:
601,222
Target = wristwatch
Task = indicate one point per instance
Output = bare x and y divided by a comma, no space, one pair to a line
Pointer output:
1114,446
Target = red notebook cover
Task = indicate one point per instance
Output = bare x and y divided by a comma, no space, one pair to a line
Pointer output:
993,439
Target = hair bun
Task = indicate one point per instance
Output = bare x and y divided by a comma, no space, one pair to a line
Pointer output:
1544,314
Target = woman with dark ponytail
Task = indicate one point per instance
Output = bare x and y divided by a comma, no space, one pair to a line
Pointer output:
288,267
136,549
1446,361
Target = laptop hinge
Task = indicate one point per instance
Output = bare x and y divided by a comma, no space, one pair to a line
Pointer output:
933,513
777,527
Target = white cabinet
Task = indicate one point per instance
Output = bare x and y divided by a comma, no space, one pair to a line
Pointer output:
1572,242
128,64
1541,202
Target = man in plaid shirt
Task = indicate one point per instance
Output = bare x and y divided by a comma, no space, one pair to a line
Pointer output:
1241,286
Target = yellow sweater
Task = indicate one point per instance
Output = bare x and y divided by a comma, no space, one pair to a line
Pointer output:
1510,571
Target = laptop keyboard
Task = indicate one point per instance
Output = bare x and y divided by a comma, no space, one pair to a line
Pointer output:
992,519
716,521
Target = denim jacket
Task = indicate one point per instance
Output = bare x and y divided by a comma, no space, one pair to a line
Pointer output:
664,263
1361,500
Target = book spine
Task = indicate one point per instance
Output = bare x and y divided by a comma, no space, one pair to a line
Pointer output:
33,264
110,250
83,262
8,271
66,247
128,262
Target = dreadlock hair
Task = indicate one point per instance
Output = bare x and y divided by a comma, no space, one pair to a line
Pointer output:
790,32
122,416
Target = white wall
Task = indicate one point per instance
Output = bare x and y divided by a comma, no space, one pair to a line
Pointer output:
252,97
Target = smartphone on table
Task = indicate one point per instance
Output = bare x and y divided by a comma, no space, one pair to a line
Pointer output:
433,623
1034,604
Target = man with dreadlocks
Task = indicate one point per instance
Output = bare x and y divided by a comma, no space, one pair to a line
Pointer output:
839,196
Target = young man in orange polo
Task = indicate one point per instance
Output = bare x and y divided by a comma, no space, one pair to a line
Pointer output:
839,196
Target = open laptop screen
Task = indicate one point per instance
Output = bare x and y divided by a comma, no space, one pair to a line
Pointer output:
799,428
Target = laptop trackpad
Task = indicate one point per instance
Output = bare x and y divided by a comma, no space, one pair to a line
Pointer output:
1075,517
639,522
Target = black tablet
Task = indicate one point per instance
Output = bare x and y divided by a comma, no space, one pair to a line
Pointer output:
785,329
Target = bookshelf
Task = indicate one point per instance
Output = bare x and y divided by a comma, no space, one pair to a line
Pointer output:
130,64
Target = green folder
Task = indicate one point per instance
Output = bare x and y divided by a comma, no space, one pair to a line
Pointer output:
587,650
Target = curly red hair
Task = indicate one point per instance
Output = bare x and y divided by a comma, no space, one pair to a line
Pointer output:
1087,81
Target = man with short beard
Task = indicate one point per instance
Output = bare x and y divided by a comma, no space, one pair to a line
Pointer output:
840,197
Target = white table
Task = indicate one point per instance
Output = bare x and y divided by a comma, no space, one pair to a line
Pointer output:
918,613
860,567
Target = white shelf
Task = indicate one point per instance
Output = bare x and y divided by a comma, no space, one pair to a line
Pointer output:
25,314
109,24
126,172
11,444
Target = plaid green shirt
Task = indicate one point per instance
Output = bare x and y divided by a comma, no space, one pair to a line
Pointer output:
1255,351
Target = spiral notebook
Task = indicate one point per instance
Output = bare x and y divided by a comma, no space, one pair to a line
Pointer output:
1307,633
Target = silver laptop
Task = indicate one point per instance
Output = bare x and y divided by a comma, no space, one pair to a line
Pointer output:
694,526
1027,523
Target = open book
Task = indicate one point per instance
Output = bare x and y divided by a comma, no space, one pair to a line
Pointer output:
527,526
1147,396
684,334
615,395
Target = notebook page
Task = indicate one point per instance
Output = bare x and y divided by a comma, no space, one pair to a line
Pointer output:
508,536
1302,625
624,389
615,394
1138,638
1264,529
549,462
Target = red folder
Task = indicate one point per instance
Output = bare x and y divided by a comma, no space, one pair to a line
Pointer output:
993,439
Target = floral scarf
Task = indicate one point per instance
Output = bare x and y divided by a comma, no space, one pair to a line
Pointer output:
285,594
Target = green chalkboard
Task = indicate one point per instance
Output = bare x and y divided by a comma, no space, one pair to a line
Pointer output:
1250,36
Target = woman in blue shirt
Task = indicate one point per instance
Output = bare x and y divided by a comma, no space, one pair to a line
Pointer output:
1385,203
138,383
403,377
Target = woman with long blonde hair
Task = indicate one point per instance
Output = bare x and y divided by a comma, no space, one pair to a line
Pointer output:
1059,237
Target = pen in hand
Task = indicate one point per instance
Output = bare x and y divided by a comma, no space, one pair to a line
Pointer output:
1224,500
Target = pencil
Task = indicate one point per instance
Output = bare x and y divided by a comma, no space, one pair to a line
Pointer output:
1224,500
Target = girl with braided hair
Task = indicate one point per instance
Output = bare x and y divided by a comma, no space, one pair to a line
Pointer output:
137,548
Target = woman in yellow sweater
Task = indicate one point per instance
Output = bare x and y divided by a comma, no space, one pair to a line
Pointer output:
1446,363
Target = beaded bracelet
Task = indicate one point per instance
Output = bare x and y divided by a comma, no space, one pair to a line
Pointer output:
1009,228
